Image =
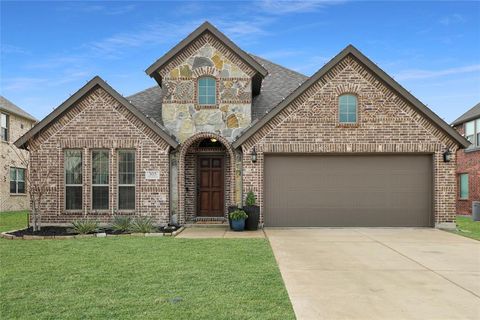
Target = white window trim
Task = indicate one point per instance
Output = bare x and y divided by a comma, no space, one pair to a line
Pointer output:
16,181
100,185
7,127
476,133
72,185
126,185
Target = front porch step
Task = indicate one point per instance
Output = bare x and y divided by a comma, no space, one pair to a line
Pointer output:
207,223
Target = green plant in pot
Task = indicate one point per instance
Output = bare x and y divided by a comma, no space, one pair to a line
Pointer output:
252,210
231,209
238,220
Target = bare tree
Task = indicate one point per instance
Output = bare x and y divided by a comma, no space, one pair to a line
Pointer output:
36,185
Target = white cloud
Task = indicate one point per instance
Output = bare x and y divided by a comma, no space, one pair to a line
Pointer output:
424,74
294,6
452,19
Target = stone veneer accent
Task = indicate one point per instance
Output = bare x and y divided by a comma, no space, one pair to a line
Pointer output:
11,156
181,113
98,121
186,200
386,124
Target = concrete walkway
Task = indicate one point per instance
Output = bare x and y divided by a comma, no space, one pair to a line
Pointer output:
218,232
379,273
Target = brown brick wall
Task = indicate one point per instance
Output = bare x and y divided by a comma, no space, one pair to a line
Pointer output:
98,121
386,124
468,162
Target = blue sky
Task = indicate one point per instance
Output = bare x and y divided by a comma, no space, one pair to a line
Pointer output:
50,49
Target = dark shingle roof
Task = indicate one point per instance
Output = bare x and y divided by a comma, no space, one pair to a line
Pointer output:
277,85
469,115
8,106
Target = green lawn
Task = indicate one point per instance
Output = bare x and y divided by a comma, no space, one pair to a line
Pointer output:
139,278
468,228
11,220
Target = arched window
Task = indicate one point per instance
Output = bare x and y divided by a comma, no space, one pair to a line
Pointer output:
207,91
347,108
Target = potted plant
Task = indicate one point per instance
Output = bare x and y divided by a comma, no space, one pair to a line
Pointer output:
252,210
238,220
231,209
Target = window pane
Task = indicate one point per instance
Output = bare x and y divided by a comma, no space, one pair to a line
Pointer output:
464,186
469,128
202,100
347,108
207,90
73,198
20,174
352,117
126,198
13,174
3,120
73,167
13,187
100,198
478,139
100,167
21,187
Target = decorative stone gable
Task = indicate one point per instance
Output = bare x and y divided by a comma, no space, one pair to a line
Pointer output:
181,112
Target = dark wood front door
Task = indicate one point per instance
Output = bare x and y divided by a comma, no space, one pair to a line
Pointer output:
210,186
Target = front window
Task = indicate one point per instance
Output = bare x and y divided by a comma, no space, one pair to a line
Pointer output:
347,108
4,126
100,180
126,180
463,186
17,180
207,88
73,180
472,132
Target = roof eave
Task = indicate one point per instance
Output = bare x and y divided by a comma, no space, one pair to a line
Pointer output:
389,81
152,70
96,81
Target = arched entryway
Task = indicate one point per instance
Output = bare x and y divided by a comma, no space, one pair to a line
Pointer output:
206,178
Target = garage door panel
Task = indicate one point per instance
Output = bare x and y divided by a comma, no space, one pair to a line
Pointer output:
390,190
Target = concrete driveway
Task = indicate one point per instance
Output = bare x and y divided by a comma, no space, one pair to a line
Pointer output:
379,273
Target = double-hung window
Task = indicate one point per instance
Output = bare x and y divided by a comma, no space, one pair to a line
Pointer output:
207,91
73,180
17,180
100,180
4,126
126,179
347,108
472,132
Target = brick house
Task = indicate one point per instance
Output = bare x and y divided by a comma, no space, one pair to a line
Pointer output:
14,123
468,160
346,147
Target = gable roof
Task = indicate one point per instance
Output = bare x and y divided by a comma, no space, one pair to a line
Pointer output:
278,84
389,81
96,81
8,106
469,115
208,27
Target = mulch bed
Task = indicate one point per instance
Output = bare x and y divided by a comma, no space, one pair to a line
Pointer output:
49,231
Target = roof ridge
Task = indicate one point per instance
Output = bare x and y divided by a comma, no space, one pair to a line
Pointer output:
470,114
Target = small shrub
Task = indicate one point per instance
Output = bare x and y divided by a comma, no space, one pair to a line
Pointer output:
238,215
85,226
142,225
122,223
250,200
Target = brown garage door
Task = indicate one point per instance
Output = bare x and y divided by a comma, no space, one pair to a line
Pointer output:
348,191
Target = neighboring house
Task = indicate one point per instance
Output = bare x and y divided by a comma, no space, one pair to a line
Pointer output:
346,147
14,122
468,160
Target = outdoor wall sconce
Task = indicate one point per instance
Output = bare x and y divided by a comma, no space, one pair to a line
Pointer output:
447,156
254,155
